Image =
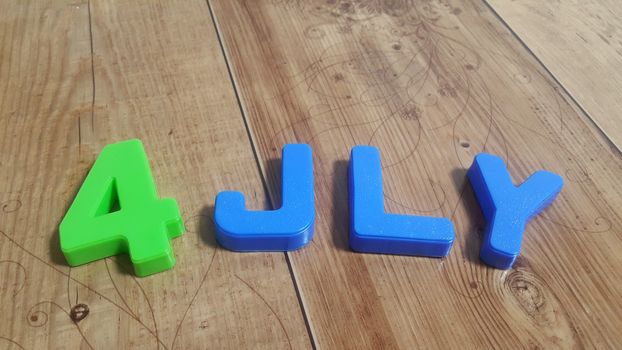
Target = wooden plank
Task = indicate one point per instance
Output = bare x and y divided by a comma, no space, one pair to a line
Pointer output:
75,77
431,84
580,44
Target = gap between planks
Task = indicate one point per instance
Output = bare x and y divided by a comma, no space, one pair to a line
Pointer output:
565,92
271,200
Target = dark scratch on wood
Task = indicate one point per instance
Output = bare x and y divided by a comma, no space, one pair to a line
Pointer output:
92,68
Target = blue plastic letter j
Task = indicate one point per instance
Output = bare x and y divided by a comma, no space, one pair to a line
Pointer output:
507,208
287,228
374,231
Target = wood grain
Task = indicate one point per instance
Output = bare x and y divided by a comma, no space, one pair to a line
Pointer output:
580,43
75,77
431,83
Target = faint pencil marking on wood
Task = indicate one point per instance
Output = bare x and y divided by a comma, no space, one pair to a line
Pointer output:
11,206
268,306
20,273
12,342
102,296
203,280
114,285
39,318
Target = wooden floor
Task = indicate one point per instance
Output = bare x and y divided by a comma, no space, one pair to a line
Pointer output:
215,89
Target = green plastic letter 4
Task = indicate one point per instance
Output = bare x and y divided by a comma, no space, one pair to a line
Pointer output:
117,211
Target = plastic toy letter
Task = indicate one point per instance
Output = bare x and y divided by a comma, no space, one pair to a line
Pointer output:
287,228
374,231
507,208
117,211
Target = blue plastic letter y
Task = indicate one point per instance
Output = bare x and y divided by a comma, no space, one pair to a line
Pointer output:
507,208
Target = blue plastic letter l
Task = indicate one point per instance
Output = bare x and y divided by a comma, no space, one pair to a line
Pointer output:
507,208
374,231
287,228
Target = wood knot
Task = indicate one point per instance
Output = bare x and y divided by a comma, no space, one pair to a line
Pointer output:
521,262
79,312
411,114
447,90
527,290
338,77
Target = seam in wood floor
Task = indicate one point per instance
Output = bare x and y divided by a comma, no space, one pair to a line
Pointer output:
567,93
260,167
